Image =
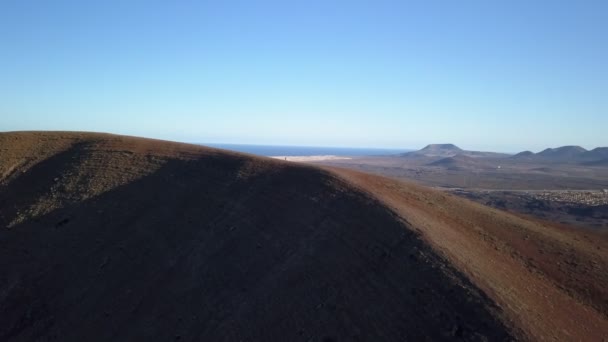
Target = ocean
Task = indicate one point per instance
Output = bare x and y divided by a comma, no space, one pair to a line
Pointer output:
300,151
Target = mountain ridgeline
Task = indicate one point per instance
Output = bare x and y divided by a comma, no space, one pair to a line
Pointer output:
567,154
106,237
564,154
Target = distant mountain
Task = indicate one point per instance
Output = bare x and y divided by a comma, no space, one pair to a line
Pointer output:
597,153
451,150
566,154
451,156
563,152
439,150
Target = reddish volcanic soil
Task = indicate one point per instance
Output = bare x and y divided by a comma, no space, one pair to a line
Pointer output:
549,279
106,237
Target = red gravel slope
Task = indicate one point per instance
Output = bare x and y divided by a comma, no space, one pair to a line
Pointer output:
549,280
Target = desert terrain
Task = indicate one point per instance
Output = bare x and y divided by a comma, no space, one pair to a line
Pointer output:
567,185
106,237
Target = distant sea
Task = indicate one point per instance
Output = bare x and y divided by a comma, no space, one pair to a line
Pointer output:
270,151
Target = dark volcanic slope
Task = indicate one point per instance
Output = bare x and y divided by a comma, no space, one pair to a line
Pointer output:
524,154
456,162
106,237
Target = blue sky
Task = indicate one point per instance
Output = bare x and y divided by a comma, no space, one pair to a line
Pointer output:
490,75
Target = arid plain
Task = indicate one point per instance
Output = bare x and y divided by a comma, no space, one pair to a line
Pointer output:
567,185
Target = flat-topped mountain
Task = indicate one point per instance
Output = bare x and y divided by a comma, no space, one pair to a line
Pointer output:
106,237
450,150
437,150
441,147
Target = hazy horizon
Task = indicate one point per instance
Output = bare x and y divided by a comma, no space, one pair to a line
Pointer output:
502,77
403,149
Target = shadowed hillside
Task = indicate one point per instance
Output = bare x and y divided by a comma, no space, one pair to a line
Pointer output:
119,238
106,237
457,162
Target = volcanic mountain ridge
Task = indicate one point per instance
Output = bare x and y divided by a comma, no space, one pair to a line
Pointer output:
106,237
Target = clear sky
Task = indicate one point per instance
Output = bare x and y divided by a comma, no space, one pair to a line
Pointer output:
491,75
